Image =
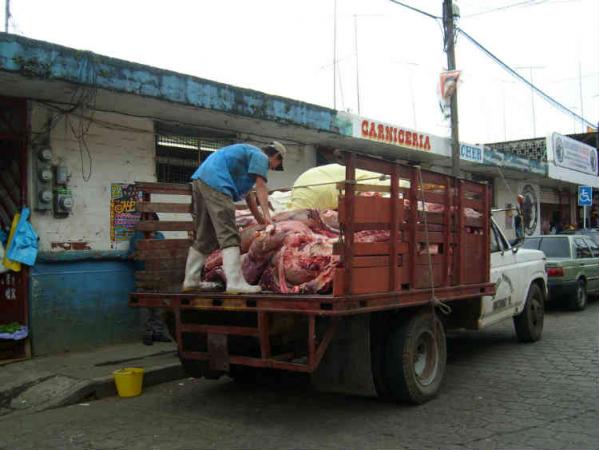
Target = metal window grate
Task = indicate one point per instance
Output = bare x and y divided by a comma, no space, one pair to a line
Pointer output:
178,156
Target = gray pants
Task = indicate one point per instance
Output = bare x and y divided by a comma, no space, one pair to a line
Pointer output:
214,219
152,323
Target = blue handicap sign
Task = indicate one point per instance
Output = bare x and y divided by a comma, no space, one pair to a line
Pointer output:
585,195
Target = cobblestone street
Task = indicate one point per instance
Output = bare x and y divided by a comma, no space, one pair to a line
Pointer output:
497,394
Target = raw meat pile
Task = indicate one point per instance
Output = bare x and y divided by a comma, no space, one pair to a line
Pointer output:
295,254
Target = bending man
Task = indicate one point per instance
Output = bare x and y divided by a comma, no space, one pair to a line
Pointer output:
227,176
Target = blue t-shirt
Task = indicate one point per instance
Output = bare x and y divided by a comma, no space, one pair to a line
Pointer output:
232,170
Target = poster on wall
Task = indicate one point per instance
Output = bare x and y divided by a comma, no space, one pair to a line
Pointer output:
123,218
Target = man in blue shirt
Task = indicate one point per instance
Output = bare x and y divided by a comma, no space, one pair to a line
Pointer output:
227,176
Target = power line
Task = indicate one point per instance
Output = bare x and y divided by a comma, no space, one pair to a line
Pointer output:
503,8
545,96
515,74
416,9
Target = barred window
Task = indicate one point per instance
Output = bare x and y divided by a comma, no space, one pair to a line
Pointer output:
179,151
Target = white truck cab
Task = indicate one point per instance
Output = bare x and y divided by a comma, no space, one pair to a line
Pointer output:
521,287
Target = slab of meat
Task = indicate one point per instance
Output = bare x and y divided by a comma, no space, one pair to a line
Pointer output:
293,255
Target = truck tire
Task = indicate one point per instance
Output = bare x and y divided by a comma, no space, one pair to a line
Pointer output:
579,301
415,359
529,323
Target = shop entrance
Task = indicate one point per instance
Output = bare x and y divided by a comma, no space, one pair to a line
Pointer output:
13,195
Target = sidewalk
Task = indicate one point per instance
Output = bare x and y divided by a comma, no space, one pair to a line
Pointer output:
52,381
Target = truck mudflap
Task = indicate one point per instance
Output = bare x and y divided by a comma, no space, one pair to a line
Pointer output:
346,367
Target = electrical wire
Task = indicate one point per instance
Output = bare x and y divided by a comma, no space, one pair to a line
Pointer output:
503,8
544,95
515,74
432,16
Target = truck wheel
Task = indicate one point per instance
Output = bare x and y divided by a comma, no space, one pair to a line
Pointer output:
529,323
579,302
415,358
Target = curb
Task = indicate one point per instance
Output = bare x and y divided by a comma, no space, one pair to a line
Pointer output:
104,387
73,391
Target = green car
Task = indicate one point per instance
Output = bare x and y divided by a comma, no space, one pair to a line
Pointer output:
572,267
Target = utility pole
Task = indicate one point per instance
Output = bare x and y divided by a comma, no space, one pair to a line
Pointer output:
532,96
6,14
335,55
357,62
580,93
448,25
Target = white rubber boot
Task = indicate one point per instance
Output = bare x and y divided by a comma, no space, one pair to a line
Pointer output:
193,272
236,283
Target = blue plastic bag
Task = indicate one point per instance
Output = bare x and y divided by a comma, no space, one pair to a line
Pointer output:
23,247
3,237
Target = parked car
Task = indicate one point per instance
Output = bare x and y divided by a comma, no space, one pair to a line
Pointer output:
572,267
591,233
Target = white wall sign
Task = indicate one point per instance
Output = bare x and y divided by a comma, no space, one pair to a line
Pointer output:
571,160
386,133
473,153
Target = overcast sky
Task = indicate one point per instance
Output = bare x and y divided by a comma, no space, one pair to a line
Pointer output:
285,47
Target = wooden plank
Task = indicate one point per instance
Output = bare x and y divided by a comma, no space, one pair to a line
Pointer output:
163,225
162,244
163,207
169,276
423,277
161,264
474,222
448,237
433,178
348,203
434,237
218,329
366,280
473,187
163,188
370,210
374,261
477,205
373,165
372,248
433,197
145,255
423,259
431,218
396,213
360,187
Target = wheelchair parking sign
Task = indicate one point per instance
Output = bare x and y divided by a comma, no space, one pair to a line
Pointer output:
585,195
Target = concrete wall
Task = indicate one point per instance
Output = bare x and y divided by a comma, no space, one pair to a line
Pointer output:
118,155
504,197
78,299
81,305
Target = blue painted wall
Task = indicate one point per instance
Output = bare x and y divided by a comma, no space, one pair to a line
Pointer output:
81,305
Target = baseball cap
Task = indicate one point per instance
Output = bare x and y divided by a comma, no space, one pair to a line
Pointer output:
280,149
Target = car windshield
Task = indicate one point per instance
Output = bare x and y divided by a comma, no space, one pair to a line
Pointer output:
555,247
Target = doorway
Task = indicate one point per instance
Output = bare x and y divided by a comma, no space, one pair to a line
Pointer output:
13,197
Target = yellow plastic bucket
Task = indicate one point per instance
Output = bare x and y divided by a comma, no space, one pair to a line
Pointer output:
128,381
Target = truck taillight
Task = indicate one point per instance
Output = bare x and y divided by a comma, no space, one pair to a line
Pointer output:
555,271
